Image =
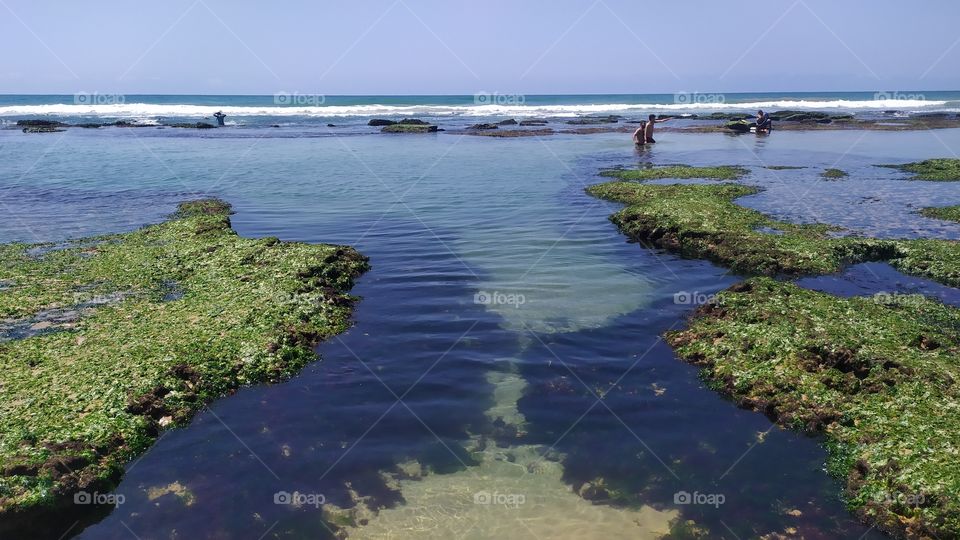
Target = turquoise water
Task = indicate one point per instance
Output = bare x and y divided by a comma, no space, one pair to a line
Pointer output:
501,305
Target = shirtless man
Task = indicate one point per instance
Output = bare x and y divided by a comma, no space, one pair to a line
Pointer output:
648,135
639,136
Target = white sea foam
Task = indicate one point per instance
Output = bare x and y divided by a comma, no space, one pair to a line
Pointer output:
149,110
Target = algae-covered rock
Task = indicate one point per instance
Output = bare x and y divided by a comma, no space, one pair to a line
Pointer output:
703,221
947,213
136,358
937,170
833,174
659,172
876,376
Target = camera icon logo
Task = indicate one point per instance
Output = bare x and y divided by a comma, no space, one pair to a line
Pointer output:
482,497
282,497
482,298
82,497
682,497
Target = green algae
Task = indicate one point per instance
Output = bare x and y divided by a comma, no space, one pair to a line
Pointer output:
947,213
834,174
936,170
877,376
702,221
76,404
680,172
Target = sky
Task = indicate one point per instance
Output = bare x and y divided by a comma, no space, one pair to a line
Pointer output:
371,47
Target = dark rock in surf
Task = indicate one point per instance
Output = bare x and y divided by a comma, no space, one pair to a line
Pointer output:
380,122
798,116
593,120
484,126
409,128
43,129
40,123
739,126
198,125
510,122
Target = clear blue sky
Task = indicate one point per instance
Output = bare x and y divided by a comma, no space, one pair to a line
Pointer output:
460,47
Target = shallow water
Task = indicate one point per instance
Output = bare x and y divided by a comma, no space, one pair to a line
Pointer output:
507,346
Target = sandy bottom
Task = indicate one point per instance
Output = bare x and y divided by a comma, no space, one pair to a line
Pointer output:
514,492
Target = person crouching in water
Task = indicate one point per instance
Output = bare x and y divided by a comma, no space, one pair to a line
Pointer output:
648,129
764,122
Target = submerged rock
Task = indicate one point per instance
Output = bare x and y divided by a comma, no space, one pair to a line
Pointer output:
380,122
510,122
484,126
533,122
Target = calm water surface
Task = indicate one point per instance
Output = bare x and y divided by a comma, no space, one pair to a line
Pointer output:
506,353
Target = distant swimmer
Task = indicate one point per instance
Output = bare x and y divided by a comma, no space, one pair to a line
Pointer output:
648,132
764,122
220,117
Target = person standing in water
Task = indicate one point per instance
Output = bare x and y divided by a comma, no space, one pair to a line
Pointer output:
648,132
220,117
640,135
